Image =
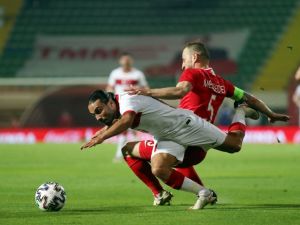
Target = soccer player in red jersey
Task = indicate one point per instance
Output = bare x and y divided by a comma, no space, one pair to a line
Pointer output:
201,91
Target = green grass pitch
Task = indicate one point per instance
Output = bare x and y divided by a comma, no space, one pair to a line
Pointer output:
259,185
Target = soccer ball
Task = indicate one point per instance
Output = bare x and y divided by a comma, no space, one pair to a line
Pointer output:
50,196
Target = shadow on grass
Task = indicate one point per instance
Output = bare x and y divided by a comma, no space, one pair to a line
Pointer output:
145,210
180,207
283,206
92,211
124,210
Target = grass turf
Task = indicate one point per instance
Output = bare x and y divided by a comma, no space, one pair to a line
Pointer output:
259,185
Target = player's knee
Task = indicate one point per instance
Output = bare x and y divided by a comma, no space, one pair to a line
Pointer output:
235,148
126,149
232,148
157,171
233,144
160,172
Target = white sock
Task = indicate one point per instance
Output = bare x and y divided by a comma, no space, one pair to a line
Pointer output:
191,186
239,116
121,142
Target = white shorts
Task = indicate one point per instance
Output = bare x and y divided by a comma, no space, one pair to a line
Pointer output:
195,131
169,147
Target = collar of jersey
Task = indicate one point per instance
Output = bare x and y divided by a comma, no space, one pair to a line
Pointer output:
210,69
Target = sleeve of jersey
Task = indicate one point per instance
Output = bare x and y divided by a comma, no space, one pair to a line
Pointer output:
186,76
130,103
229,89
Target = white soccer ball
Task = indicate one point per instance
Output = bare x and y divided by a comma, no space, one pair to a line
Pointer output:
50,196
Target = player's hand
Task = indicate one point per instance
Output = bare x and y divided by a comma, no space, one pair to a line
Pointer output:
279,117
138,91
99,132
93,142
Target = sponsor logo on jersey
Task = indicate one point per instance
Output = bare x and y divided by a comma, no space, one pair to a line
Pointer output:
126,82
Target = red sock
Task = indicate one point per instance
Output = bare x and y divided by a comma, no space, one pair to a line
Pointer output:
175,180
191,173
142,170
237,127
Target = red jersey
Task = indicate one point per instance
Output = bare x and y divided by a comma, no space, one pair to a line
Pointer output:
207,94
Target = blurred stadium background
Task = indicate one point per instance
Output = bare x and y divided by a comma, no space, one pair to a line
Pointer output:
54,53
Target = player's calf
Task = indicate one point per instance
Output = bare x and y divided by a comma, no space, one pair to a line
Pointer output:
233,142
236,132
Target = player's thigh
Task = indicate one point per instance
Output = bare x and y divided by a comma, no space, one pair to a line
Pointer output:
167,153
162,165
163,160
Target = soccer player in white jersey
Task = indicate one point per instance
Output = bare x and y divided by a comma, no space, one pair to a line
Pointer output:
119,79
173,130
296,95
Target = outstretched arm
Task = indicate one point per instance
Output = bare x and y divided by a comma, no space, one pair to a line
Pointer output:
181,89
262,107
118,127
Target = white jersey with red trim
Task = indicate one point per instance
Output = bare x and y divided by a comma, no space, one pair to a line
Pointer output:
120,80
297,92
167,123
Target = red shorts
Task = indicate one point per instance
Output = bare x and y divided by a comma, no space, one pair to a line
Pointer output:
193,155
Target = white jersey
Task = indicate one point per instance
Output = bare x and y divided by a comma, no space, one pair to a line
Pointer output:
167,123
120,80
297,92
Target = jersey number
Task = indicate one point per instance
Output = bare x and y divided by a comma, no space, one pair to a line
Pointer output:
210,108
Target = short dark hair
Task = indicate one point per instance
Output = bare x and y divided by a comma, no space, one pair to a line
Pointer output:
101,95
125,54
198,47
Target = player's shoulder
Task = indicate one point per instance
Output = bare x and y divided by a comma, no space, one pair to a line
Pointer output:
191,70
189,73
117,71
126,96
137,71
196,71
211,73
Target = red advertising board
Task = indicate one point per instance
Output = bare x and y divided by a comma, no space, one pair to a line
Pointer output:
265,135
55,135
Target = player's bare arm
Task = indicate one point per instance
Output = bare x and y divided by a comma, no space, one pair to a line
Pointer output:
259,105
100,131
118,127
181,89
